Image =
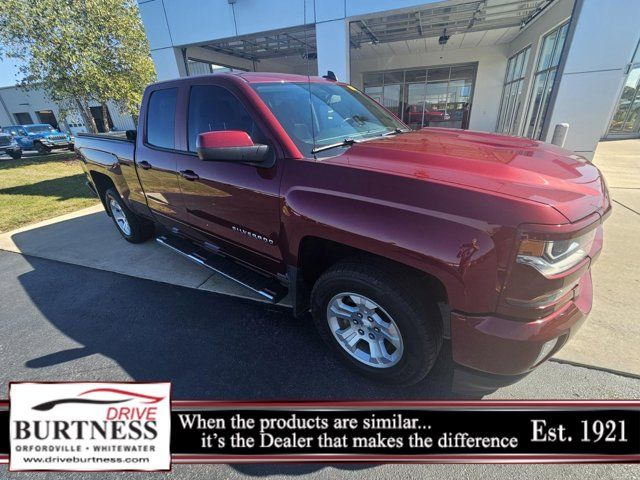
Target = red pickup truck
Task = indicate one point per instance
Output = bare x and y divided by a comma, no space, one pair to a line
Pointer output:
393,239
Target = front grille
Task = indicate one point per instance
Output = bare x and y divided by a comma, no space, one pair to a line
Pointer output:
4,140
57,137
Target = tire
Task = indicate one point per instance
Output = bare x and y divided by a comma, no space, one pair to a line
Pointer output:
71,147
41,149
131,227
16,155
396,298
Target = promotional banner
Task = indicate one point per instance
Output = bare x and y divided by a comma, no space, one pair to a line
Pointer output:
134,426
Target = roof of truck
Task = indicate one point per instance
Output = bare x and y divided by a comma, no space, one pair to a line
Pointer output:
251,77
263,77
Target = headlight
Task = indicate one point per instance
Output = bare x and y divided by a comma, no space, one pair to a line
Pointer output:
551,257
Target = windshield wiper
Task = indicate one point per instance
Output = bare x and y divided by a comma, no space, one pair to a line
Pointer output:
395,131
347,142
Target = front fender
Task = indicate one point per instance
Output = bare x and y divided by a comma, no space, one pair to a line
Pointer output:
458,251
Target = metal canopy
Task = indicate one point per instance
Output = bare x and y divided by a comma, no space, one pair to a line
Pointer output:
280,43
456,16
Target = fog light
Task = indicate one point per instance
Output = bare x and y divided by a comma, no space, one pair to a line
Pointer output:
547,347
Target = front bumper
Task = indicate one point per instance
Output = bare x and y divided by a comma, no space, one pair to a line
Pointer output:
9,149
494,346
54,144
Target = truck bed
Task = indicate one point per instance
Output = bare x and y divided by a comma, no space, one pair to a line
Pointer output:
104,150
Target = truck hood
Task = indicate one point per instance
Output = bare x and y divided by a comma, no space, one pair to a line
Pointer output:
513,166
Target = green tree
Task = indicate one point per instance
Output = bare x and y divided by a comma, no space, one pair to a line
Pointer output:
78,51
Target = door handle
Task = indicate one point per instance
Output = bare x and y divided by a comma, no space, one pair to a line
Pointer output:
145,165
189,175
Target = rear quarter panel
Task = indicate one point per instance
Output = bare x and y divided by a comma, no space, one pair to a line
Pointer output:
114,158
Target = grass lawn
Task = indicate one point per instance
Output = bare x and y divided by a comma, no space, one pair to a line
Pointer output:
41,187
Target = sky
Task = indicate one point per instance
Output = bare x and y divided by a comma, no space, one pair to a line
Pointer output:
8,71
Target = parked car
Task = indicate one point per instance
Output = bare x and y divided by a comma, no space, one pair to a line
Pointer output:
414,114
9,146
41,137
394,239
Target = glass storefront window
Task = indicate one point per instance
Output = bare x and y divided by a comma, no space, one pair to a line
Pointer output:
437,96
548,60
626,120
512,92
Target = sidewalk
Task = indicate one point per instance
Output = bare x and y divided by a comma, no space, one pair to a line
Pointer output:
609,339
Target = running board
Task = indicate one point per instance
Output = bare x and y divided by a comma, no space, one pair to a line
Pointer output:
268,288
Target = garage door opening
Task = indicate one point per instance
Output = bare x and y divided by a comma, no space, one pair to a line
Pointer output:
47,116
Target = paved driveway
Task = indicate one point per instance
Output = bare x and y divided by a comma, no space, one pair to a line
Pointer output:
65,322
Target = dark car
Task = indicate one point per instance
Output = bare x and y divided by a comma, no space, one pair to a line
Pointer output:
9,146
394,240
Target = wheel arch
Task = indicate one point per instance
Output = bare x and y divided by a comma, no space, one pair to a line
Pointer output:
102,182
317,254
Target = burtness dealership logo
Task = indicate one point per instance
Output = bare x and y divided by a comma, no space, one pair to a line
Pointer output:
89,426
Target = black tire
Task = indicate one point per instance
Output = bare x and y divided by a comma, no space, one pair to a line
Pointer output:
417,317
139,230
71,147
16,155
41,149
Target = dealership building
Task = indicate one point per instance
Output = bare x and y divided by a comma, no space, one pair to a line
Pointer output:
520,67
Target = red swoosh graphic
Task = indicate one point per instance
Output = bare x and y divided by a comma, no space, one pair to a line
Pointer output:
149,398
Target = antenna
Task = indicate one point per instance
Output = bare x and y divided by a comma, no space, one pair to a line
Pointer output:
306,46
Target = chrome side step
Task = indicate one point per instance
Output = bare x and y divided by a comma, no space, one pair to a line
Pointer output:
268,288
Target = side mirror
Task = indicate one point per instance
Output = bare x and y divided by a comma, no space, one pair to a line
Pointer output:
233,146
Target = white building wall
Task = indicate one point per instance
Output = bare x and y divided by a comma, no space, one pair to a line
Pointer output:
17,100
603,44
606,32
189,22
184,23
492,62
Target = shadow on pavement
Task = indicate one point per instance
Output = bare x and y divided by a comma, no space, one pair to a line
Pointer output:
208,345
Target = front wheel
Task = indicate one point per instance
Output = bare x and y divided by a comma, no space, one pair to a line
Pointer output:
377,321
130,226
41,149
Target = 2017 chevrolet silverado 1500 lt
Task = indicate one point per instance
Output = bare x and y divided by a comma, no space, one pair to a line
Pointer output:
394,239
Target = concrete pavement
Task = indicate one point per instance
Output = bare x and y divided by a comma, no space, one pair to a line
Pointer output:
609,339
88,238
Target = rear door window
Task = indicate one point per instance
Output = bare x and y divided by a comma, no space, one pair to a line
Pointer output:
161,118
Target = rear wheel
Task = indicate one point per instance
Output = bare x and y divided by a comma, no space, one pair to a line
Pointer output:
377,321
16,155
131,227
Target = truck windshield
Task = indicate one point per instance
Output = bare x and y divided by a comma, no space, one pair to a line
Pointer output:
39,128
320,114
